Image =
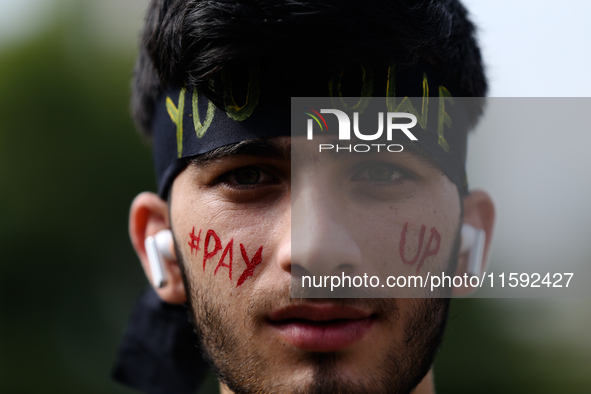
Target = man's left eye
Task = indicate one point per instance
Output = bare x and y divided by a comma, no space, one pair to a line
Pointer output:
379,173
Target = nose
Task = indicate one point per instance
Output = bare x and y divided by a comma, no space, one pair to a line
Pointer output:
322,237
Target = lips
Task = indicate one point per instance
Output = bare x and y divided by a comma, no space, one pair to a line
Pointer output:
321,327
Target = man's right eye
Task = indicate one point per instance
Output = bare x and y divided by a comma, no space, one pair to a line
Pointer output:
247,175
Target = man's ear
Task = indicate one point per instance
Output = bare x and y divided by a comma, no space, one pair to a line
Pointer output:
479,212
149,215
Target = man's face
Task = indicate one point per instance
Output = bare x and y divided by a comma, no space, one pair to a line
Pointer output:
231,218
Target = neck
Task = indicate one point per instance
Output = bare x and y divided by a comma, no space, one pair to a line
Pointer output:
425,387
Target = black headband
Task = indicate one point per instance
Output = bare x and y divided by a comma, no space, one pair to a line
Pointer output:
186,123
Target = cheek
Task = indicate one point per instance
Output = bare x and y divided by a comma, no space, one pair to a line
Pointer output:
410,238
431,247
213,253
224,245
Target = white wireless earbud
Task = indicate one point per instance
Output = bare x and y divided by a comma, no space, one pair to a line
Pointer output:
473,240
157,248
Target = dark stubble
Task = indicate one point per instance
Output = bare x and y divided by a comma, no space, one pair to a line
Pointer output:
242,367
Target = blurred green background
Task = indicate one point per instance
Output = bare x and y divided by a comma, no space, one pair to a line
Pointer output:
70,164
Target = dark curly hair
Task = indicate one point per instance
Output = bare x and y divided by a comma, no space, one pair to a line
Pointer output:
292,41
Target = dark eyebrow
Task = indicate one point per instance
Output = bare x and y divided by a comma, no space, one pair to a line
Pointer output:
411,147
256,147
423,154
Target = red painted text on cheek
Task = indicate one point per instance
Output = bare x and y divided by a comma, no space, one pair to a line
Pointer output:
218,245
229,248
430,249
194,242
250,265
213,245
